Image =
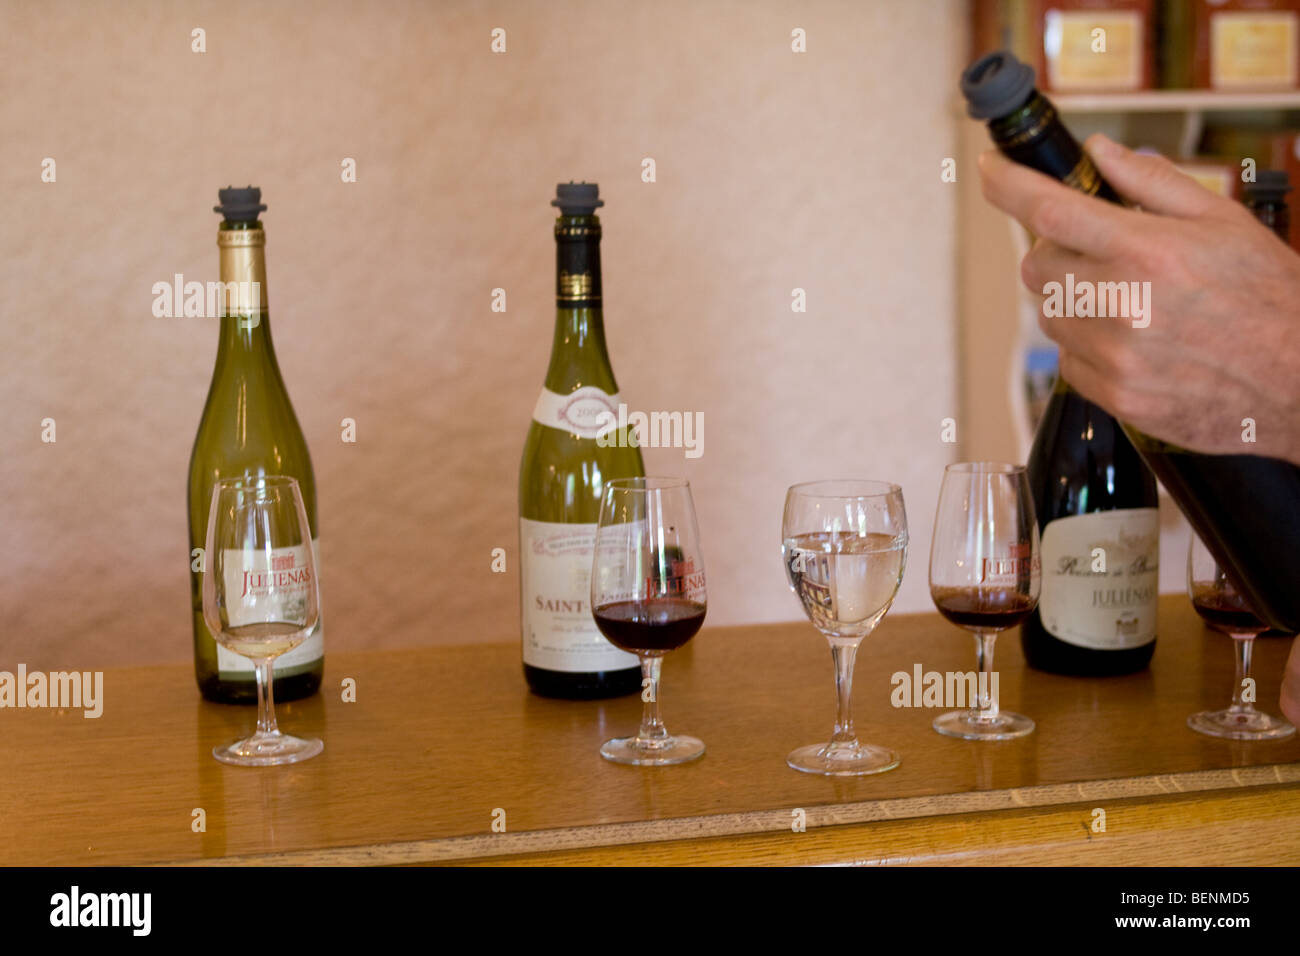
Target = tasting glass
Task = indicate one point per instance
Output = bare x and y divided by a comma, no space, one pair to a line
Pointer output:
1225,609
648,598
985,576
260,597
844,545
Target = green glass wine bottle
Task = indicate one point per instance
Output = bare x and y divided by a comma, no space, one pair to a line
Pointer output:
1246,508
248,428
570,454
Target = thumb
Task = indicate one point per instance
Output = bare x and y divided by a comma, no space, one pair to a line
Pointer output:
1152,182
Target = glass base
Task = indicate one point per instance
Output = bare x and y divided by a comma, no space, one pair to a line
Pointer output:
842,760
967,725
268,750
659,753
1239,723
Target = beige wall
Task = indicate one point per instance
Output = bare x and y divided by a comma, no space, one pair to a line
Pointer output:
775,171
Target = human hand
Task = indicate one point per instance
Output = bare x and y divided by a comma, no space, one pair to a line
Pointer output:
1223,343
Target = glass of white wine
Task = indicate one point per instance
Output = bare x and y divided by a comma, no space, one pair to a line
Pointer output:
260,597
844,544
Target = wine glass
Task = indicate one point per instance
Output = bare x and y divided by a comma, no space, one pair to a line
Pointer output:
844,545
985,576
648,598
1225,609
260,597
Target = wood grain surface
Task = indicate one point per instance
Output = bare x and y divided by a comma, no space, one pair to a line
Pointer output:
440,738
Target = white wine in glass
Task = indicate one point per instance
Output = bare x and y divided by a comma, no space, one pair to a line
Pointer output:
845,546
260,597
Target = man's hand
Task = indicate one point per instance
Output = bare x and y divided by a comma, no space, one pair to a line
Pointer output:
1223,342
1291,685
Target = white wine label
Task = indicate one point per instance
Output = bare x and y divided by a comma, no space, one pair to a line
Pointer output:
587,413
242,573
1101,576
559,632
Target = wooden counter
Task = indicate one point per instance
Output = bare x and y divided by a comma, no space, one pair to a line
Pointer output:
440,738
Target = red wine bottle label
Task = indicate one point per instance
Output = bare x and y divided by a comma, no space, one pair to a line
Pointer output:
587,412
1101,578
281,578
559,632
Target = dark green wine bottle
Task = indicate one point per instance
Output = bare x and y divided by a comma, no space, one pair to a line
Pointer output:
1097,503
569,456
248,428
1246,508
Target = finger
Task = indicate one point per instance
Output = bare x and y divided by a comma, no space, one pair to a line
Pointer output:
1084,377
1055,211
1291,684
1089,340
1153,182
1049,261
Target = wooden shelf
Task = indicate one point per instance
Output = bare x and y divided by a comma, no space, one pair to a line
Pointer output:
1175,101
440,738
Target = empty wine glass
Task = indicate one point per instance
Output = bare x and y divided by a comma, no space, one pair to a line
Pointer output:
260,597
984,576
648,597
844,545
1225,609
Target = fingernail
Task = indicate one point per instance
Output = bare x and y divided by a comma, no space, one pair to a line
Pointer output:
1101,143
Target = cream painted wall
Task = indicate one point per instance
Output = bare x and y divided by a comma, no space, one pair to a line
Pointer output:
775,171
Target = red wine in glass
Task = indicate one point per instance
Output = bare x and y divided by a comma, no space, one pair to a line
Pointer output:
1225,611
983,609
656,624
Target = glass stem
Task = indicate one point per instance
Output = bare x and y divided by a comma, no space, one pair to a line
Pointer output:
265,699
652,732
987,706
844,656
1244,645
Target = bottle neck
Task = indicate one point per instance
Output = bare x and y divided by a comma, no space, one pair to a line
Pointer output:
1275,215
1035,137
578,353
245,324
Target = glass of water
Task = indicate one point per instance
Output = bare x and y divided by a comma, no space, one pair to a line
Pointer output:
844,545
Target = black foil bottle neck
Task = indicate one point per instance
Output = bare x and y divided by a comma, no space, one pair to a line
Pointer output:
577,262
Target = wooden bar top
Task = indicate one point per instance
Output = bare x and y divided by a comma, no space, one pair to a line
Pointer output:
442,742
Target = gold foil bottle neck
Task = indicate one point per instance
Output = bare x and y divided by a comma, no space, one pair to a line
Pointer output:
238,238
243,270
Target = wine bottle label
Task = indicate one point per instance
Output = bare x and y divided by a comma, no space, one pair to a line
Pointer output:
246,573
1101,578
559,632
586,413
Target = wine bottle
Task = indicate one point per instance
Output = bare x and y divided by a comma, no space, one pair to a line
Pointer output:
1246,508
1266,198
1097,503
569,456
248,429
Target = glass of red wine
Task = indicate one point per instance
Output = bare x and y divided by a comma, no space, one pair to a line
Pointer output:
845,545
985,577
648,598
1225,609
